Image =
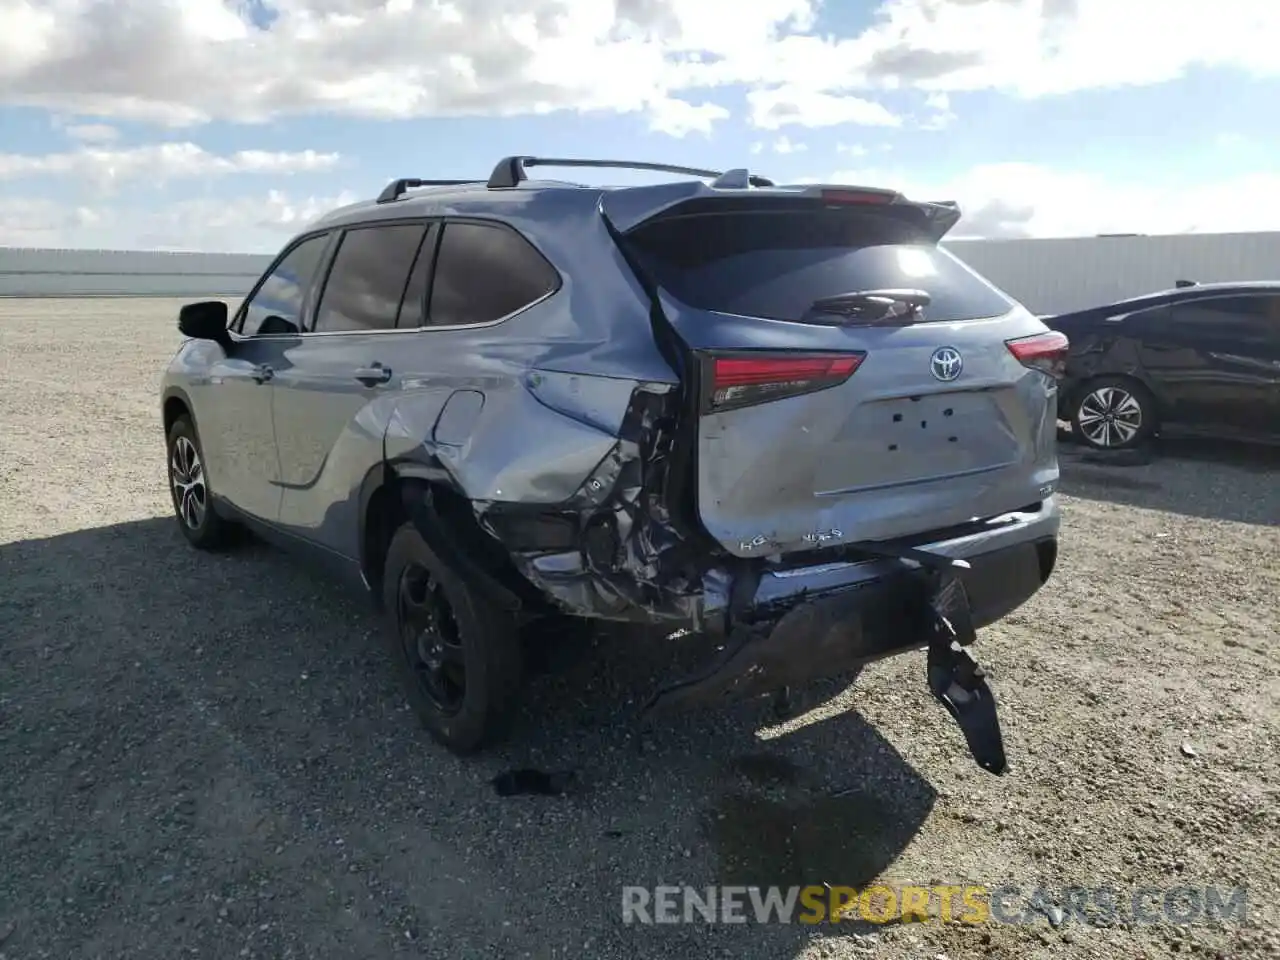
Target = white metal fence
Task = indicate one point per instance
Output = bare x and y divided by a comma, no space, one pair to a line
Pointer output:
1049,276
1072,273
29,272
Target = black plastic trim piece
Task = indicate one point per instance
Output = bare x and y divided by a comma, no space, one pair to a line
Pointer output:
396,188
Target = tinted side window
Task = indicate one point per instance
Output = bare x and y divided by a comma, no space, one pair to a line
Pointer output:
282,293
368,277
1243,319
774,264
485,272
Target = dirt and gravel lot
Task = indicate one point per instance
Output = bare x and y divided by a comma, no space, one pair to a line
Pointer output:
208,756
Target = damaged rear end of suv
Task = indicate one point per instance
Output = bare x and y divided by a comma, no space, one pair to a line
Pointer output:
854,459
781,415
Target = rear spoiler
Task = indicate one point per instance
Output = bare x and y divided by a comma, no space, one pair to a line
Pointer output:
629,207
943,214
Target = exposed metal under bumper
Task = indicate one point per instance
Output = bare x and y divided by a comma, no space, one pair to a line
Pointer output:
825,637
833,635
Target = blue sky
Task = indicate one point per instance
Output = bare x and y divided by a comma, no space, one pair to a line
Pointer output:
209,125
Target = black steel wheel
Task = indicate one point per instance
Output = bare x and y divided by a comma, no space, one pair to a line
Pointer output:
459,655
429,639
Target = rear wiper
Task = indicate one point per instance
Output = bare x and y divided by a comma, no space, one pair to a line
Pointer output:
888,306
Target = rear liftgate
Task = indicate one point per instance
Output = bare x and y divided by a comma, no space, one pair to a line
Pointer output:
927,606
827,634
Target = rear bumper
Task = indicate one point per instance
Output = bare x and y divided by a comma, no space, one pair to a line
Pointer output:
1011,557
818,622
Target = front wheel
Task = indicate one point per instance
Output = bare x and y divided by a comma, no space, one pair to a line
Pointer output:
460,657
1114,413
189,488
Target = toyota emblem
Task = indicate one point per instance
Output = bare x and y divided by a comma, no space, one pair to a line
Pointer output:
946,363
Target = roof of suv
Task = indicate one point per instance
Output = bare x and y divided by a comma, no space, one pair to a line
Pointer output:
409,204
510,174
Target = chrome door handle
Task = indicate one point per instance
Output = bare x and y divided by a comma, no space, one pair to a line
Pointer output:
262,373
374,375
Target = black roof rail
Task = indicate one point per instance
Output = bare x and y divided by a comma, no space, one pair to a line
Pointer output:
396,188
510,171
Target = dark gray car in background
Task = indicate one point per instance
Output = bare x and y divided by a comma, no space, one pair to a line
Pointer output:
779,414
1198,360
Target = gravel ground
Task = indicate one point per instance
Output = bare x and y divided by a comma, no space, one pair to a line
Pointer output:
209,756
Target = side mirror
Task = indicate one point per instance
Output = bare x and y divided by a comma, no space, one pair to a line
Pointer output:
206,320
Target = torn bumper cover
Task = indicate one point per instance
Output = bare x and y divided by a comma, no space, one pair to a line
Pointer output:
921,607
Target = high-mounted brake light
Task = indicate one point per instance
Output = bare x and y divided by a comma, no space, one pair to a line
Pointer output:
857,196
1046,352
743,380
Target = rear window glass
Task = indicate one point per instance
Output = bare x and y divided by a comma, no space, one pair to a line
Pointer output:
775,265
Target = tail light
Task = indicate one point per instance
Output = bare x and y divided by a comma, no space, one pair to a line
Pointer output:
742,380
858,196
1046,352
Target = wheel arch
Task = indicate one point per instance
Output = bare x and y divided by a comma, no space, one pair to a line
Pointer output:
175,403
1154,407
426,494
1084,387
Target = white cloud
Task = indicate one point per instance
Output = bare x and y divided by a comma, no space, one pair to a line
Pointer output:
941,114
678,118
189,61
159,162
1028,200
92,132
41,223
1040,47
778,107
251,223
785,145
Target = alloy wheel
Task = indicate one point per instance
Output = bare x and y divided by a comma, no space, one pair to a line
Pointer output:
429,638
190,494
1110,417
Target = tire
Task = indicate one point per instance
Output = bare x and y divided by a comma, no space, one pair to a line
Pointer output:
1113,413
189,489
459,657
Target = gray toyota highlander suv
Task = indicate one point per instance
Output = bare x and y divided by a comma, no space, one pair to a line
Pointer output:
782,415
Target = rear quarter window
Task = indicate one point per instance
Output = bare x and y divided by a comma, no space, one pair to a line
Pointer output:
774,265
485,272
